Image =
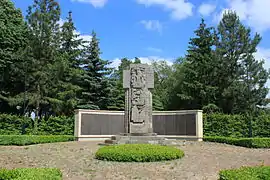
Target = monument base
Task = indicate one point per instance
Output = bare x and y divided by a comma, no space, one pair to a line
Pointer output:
147,138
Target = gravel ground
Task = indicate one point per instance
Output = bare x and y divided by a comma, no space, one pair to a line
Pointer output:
202,161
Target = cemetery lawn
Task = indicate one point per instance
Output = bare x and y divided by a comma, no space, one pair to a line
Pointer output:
202,160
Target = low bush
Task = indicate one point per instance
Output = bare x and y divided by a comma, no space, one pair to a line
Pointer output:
22,140
17,125
246,173
236,125
244,142
138,153
31,174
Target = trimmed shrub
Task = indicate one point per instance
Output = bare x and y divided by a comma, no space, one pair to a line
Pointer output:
14,125
138,153
246,173
225,125
17,125
244,142
61,125
236,125
22,140
31,174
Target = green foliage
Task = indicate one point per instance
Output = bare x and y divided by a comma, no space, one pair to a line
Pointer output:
68,71
242,78
60,125
22,140
13,39
244,173
16,125
225,125
117,96
163,79
138,153
199,86
95,83
218,124
211,108
244,142
31,174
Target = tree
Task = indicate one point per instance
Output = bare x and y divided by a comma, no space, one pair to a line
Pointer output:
13,40
241,78
44,40
162,76
117,100
71,43
95,81
199,70
69,72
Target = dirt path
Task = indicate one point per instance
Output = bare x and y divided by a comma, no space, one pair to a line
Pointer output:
202,161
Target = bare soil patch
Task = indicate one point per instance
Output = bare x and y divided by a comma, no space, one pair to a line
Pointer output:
202,161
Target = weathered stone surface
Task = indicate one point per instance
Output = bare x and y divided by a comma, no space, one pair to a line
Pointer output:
138,113
137,82
128,139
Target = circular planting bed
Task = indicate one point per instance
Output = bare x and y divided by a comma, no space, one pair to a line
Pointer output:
138,153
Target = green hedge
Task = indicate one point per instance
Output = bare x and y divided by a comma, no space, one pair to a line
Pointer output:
236,125
22,140
31,174
138,153
16,125
244,142
246,173
214,125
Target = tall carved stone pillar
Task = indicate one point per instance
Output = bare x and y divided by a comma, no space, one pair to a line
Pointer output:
137,82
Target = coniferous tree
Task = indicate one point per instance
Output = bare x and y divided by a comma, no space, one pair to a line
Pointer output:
13,41
241,77
44,40
69,72
199,70
95,81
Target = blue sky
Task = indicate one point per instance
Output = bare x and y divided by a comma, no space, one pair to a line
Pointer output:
157,29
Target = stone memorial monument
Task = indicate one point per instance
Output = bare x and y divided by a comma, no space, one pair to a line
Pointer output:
138,82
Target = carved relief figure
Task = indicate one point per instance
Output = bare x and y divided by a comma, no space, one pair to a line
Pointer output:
138,95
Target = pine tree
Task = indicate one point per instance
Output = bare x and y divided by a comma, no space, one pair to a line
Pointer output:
44,40
71,43
95,81
69,72
13,40
199,69
241,77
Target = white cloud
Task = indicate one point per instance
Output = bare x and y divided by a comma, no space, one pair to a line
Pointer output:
145,60
152,49
180,9
85,37
206,9
264,54
254,12
152,25
95,3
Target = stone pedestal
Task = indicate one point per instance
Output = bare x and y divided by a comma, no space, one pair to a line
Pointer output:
137,82
131,139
